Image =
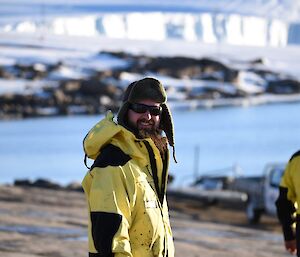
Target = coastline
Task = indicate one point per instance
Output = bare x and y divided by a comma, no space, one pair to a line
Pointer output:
242,101
49,81
38,221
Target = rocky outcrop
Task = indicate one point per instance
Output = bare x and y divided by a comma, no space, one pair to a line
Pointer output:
284,86
47,184
63,92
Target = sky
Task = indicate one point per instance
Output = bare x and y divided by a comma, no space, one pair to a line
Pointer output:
287,9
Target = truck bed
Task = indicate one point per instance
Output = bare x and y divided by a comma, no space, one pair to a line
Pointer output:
252,186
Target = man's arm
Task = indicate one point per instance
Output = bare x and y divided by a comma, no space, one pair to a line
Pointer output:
285,210
111,200
291,246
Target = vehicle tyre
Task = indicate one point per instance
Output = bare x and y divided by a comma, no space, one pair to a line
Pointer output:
253,214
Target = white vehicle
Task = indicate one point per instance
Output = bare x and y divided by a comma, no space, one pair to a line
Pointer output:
257,193
262,191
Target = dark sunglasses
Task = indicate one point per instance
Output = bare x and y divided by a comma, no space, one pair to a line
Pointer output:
142,108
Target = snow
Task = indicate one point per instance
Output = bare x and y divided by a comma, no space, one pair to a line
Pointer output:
67,73
252,23
22,86
204,27
250,82
53,48
177,83
75,26
74,32
115,26
20,51
7,61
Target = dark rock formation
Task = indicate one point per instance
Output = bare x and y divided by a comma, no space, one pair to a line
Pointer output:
41,183
47,184
98,91
285,86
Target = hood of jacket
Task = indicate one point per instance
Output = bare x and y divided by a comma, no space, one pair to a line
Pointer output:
108,132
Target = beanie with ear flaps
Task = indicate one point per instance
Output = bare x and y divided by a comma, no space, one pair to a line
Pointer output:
148,88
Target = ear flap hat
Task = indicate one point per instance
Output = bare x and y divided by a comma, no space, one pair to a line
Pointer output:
148,88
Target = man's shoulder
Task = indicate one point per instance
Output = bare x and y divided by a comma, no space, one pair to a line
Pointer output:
111,155
295,155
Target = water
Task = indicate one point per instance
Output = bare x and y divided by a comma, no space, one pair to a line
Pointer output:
247,138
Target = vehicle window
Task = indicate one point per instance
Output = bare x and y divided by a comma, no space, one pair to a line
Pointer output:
275,177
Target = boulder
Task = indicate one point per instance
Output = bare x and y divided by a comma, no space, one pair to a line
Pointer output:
285,86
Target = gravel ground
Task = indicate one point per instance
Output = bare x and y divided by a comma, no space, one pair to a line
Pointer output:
42,222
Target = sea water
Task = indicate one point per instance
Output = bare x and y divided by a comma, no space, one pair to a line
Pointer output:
209,141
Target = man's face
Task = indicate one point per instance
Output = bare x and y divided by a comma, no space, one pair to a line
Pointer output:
142,116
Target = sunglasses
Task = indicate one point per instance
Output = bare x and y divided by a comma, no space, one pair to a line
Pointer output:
142,108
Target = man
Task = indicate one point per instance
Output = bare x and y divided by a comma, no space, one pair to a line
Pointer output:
126,186
287,204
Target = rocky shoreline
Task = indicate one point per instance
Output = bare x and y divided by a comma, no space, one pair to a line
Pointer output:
40,219
37,87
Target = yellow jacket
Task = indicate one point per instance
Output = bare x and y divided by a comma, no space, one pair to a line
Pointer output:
288,200
125,191
291,180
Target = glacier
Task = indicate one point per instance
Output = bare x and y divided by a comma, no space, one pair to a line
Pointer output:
248,23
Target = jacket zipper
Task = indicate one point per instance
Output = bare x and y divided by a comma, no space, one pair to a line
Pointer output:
160,193
154,170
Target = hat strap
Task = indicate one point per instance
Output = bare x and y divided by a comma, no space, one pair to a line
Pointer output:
174,157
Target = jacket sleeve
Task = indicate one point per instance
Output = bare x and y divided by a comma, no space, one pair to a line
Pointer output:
285,210
285,203
111,201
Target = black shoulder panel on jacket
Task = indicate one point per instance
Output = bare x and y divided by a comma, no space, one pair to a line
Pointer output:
295,155
111,156
104,226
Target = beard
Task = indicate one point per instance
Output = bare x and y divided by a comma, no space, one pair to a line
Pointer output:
152,132
155,134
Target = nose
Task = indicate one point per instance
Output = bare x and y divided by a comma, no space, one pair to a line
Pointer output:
147,115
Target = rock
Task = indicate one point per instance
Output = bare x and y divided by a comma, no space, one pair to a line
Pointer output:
70,86
210,66
102,90
285,86
41,183
258,61
74,186
174,66
92,87
22,182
